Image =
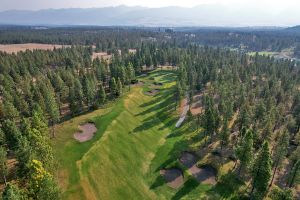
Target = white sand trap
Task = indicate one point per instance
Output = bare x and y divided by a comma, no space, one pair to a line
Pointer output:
184,109
87,132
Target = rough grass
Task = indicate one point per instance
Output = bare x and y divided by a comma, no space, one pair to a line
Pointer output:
136,138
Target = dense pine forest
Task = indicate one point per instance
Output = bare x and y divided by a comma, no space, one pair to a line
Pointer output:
107,38
250,104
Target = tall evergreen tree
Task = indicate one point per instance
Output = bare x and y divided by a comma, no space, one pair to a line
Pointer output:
3,164
244,150
12,192
224,134
10,112
12,134
119,87
279,153
52,108
294,175
102,95
113,87
261,172
41,183
278,194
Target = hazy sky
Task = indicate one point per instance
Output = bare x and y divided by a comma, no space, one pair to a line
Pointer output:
271,5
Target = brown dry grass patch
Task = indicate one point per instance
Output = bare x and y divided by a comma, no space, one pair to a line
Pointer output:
15,48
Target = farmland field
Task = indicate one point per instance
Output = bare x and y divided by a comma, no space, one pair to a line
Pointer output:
15,48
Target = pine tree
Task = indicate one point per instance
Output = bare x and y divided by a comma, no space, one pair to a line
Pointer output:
244,118
284,194
12,192
113,87
102,95
24,154
261,172
10,112
209,122
41,183
2,138
12,134
119,87
39,121
88,91
52,108
224,135
3,165
294,175
244,150
76,97
280,151
40,141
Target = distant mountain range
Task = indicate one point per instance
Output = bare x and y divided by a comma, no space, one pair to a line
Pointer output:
204,15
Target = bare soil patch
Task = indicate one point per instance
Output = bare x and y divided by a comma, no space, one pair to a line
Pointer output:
173,177
15,48
196,107
152,92
87,132
205,175
183,104
132,51
102,55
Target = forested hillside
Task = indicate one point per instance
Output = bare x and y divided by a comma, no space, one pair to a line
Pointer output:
249,105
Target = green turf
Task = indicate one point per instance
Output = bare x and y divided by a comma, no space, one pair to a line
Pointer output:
136,138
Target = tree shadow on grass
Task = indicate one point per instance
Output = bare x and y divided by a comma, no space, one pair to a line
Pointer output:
159,181
147,124
227,185
174,154
188,186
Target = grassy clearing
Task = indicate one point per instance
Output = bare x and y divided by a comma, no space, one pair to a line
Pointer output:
262,53
136,138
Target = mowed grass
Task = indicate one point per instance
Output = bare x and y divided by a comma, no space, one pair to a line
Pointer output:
136,138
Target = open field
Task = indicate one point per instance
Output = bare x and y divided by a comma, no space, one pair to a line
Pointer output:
15,48
101,55
136,138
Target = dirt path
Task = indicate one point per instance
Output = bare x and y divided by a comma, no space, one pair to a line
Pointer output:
184,109
204,175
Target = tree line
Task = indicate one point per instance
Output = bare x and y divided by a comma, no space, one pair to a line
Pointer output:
263,95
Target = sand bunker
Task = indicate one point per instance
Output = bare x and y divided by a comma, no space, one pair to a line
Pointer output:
152,92
173,177
184,107
205,175
138,83
87,132
188,159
